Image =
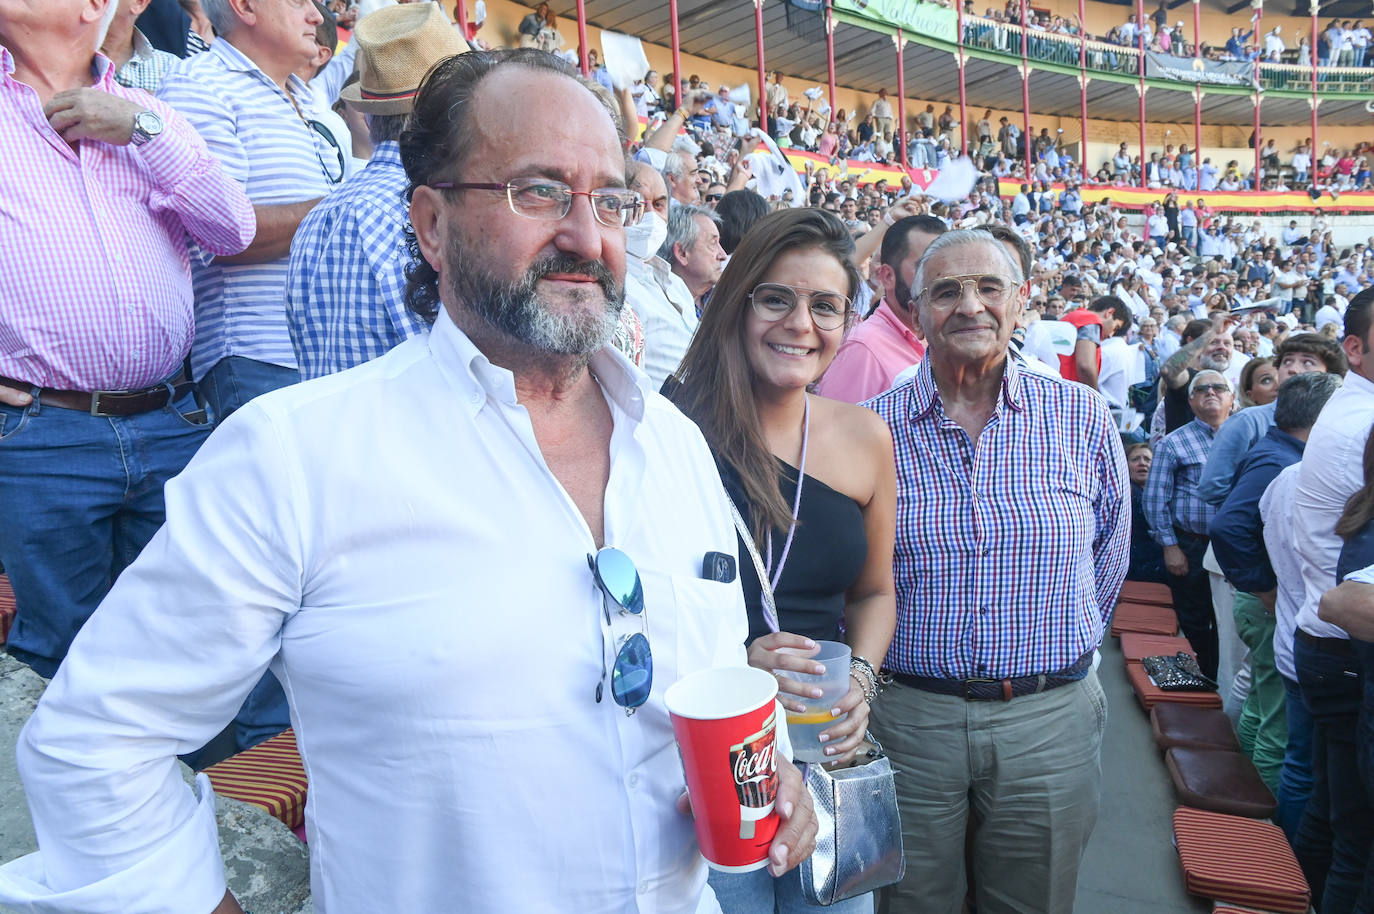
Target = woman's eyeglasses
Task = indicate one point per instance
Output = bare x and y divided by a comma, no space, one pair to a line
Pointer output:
632,673
538,198
773,301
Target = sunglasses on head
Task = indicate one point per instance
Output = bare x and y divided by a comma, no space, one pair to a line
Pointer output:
632,672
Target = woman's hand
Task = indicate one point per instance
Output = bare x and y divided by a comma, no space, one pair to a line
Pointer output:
764,654
842,741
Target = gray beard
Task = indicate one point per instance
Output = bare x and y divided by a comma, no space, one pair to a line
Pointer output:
1211,364
514,308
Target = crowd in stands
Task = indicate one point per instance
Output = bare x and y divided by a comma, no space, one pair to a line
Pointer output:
296,215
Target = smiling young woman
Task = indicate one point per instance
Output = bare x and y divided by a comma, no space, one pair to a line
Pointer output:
814,477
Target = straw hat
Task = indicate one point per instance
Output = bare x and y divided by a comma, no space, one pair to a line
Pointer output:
397,46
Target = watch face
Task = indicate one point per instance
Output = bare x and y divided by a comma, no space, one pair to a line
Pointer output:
148,122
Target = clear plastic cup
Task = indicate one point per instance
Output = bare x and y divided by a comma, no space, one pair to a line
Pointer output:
804,728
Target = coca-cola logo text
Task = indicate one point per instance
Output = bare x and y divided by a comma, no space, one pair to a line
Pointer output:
760,762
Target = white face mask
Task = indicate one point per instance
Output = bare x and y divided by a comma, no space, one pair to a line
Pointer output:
645,237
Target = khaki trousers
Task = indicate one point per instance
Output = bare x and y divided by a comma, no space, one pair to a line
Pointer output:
1028,770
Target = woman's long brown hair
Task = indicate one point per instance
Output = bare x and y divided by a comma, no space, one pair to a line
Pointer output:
715,382
1359,510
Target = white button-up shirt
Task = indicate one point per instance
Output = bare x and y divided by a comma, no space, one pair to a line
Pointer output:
1276,510
391,542
665,305
1332,470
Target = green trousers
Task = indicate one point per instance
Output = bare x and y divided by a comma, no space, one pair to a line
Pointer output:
1263,727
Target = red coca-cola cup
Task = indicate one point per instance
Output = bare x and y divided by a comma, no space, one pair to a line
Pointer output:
725,722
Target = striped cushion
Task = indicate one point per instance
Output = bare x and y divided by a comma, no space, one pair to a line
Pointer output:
269,775
1143,618
1147,592
1149,694
1242,861
1135,645
7,607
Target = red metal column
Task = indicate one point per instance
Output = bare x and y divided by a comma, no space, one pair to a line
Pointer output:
1083,90
1140,44
677,54
582,38
830,55
963,93
763,76
460,16
1197,128
1316,147
1197,90
1026,138
899,135
1255,26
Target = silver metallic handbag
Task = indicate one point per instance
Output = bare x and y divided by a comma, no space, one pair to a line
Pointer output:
859,831
859,834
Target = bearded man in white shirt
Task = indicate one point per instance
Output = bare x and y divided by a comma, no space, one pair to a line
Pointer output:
409,545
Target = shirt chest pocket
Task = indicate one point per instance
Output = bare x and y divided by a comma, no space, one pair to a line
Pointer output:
697,622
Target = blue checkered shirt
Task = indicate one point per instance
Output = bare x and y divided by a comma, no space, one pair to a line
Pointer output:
1171,498
1009,553
345,286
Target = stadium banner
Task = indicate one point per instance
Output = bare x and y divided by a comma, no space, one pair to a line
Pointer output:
929,19
1198,70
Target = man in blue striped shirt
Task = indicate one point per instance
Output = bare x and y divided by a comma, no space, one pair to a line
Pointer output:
1179,517
244,99
1013,536
345,292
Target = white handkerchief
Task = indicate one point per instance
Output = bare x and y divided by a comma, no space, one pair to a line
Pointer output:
813,93
740,94
954,181
624,58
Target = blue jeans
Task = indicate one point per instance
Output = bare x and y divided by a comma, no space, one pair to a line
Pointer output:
234,380
231,383
1332,685
82,496
1295,779
760,893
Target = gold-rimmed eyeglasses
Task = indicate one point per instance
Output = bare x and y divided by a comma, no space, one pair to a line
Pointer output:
539,198
992,289
773,301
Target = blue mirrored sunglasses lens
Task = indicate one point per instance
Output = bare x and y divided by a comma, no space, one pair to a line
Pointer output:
621,580
633,674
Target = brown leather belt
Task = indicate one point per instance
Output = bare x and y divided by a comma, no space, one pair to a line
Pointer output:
107,402
1000,689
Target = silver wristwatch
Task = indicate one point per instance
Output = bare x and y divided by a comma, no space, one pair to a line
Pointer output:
147,126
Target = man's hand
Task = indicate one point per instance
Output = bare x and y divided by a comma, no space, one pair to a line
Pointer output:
11,397
907,206
1351,607
91,114
1175,561
796,837
748,144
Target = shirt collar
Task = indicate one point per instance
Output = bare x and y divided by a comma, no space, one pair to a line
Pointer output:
143,49
102,70
387,152
1204,427
886,312
478,379
925,393
239,62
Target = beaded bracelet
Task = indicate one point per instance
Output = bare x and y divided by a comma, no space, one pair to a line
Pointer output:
863,673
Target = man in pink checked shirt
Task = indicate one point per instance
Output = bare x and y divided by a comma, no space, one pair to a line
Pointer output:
100,187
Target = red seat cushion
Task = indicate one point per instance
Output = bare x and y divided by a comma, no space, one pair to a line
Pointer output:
1149,694
1143,618
1135,645
1242,861
7,607
1192,727
1146,592
1220,780
270,776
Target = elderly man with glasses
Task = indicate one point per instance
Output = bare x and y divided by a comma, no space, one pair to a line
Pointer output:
1013,536
1179,517
477,562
